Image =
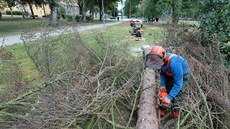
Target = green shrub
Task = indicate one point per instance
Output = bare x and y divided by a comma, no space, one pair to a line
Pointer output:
78,18
63,16
58,17
89,18
216,24
47,15
225,49
69,17
13,12
63,12
216,20
8,12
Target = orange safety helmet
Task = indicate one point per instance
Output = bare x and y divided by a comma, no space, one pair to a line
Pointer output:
155,58
158,50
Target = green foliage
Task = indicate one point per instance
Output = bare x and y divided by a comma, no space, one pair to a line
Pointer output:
96,6
16,69
131,7
13,12
78,18
191,9
63,12
2,4
69,17
89,18
63,16
48,15
151,9
10,3
163,6
215,23
225,49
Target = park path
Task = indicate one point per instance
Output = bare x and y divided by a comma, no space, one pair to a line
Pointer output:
10,40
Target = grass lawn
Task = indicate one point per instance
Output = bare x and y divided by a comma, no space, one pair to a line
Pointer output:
18,62
16,25
30,72
189,23
120,35
117,34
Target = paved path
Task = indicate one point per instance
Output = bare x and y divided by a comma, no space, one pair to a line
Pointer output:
9,40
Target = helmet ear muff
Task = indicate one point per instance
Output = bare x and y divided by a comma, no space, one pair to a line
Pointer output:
164,58
163,55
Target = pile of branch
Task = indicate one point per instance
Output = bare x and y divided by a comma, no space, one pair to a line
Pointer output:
102,94
208,104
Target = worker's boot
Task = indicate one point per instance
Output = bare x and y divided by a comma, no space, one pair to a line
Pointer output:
162,112
175,112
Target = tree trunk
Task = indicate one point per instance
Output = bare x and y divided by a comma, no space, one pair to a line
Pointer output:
11,12
44,10
152,19
53,18
24,11
100,7
80,7
175,8
84,12
58,12
31,9
130,10
147,113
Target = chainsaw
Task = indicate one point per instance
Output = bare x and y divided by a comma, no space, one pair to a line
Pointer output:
161,105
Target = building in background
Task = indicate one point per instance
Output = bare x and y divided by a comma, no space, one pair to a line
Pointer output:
38,11
71,8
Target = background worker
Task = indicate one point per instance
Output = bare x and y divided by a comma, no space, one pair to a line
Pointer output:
174,76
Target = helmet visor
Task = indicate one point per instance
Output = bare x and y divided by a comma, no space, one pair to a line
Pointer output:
153,61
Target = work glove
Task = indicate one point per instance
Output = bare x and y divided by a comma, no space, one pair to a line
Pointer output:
161,89
166,100
159,98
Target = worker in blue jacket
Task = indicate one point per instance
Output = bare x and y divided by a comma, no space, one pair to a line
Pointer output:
174,76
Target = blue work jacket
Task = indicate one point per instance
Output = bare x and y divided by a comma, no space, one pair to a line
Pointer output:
177,68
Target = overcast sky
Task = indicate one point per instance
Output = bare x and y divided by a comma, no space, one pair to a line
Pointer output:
119,5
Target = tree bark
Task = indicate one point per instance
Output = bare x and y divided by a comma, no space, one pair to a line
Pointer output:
84,12
44,10
53,18
130,9
175,8
31,9
11,12
80,4
147,113
101,13
24,11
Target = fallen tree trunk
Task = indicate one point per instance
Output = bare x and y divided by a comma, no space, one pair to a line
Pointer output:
147,113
